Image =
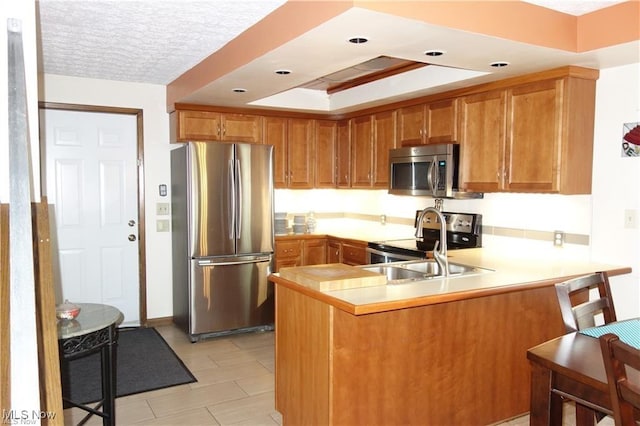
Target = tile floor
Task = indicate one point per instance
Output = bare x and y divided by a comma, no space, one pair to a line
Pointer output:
235,387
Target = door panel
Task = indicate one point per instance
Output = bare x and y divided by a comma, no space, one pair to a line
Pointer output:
255,185
90,179
230,296
211,199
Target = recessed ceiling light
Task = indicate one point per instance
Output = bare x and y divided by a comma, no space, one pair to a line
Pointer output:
283,72
239,90
434,52
358,40
499,64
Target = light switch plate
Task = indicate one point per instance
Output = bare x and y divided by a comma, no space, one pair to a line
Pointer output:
162,209
631,219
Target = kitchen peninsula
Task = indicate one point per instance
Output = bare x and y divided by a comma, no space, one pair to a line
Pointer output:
441,351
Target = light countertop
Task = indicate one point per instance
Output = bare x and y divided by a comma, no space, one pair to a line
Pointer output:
510,273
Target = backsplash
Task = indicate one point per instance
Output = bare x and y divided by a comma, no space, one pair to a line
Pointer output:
519,216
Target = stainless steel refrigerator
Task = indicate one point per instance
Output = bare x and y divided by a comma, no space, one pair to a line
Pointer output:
222,237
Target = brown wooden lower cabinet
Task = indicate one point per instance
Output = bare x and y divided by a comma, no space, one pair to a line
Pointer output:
288,253
354,252
314,251
318,250
461,362
334,251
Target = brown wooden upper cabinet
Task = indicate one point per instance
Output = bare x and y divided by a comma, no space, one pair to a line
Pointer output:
361,151
482,141
325,154
535,137
372,137
293,141
216,126
343,152
423,124
530,133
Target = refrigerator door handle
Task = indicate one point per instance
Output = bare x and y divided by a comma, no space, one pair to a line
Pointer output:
205,263
232,201
238,217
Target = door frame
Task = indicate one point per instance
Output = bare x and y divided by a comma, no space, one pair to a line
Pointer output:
142,263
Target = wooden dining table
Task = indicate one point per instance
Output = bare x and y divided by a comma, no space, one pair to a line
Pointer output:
568,367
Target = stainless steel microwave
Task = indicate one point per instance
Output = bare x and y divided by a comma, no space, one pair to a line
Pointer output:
430,170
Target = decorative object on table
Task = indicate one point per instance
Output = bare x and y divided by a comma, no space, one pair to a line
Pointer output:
631,140
145,362
67,311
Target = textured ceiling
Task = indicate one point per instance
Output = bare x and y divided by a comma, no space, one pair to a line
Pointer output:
146,41
155,41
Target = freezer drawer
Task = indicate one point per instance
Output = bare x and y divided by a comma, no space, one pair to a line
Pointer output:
230,293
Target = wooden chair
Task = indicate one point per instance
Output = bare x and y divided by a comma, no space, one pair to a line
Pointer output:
577,313
625,394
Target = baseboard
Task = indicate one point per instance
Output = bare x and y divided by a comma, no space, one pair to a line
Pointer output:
157,322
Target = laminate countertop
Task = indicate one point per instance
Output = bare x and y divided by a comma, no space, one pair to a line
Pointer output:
508,274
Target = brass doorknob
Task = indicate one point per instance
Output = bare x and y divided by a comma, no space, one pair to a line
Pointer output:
132,237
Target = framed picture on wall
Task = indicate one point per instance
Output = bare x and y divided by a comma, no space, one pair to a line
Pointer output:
631,140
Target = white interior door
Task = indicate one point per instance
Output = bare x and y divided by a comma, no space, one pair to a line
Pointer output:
90,172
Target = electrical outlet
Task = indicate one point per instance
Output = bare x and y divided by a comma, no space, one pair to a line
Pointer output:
162,209
162,225
558,238
383,219
631,219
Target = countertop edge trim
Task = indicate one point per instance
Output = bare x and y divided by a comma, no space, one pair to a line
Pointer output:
372,308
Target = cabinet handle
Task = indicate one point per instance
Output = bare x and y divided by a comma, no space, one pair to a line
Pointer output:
224,131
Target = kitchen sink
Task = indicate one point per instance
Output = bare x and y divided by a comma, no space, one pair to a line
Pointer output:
417,270
395,274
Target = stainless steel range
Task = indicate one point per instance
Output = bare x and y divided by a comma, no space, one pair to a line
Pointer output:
464,230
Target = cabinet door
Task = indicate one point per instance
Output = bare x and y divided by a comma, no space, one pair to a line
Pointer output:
411,125
334,251
442,121
326,155
482,141
300,149
343,166
241,128
198,126
384,139
314,252
288,253
354,253
361,151
275,133
533,136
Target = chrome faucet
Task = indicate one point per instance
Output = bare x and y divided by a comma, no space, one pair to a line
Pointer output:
440,254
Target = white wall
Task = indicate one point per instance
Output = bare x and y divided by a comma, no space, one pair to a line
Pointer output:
151,99
616,183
